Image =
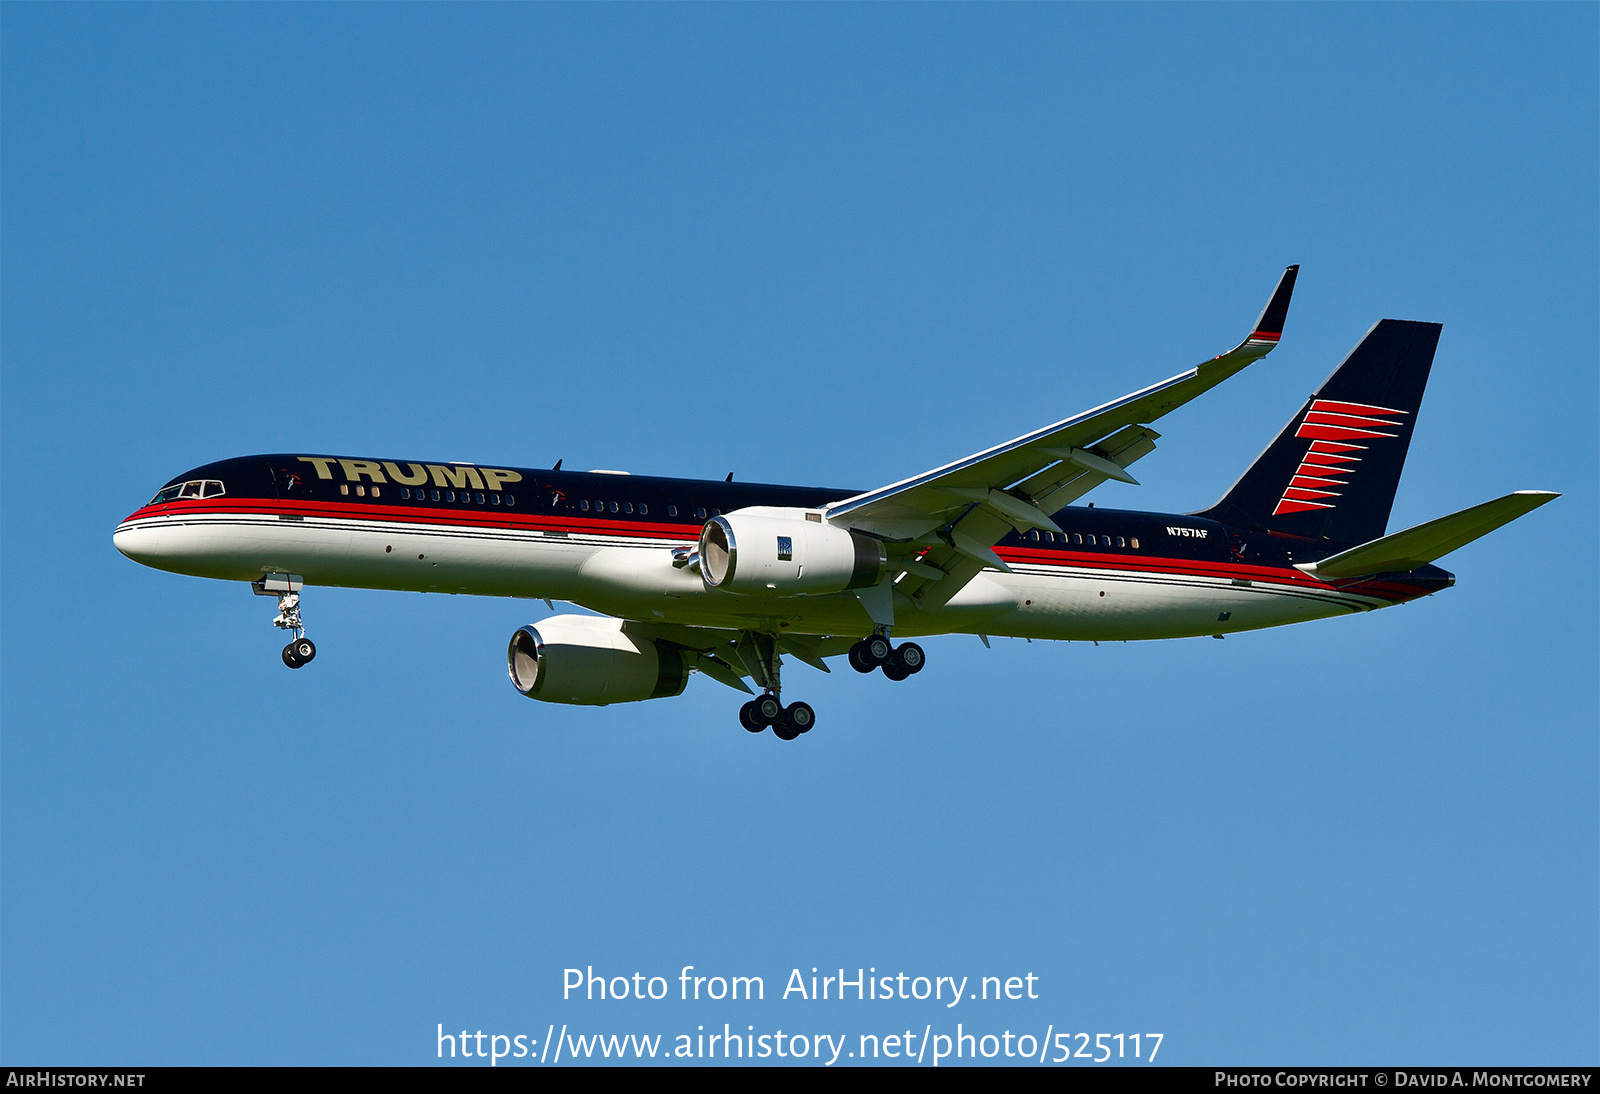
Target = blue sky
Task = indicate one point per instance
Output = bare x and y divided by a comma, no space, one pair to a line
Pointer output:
819,244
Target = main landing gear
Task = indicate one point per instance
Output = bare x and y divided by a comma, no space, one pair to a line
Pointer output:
897,662
759,652
787,722
301,649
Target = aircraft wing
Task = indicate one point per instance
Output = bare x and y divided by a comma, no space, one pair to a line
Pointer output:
942,525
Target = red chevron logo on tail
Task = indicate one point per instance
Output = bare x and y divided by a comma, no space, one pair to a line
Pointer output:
1333,428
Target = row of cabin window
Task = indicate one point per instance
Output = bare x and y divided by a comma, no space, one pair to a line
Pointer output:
585,505
422,494
1078,539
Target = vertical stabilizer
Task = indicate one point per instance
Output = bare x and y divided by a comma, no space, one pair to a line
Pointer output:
1333,471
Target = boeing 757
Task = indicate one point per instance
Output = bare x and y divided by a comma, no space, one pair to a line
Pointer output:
725,579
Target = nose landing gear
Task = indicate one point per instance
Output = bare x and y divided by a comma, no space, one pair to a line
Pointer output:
286,587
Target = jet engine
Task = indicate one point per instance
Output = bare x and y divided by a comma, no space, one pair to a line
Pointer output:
770,550
592,660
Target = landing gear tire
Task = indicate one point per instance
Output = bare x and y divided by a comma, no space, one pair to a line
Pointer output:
750,719
290,657
870,652
304,649
876,648
799,717
906,660
858,658
767,709
911,658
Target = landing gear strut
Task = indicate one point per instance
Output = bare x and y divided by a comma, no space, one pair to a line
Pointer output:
759,652
897,662
301,649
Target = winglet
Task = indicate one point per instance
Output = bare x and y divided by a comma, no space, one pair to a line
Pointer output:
1269,328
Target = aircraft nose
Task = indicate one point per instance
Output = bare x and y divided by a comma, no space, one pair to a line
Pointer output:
140,544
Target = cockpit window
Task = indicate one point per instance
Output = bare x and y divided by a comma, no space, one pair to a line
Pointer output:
194,488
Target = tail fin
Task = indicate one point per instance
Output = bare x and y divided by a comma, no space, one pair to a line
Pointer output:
1333,470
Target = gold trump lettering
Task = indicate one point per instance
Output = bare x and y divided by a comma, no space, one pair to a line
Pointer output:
455,476
494,476
415,475
354,469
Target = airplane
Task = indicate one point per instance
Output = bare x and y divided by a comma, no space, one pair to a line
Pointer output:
724,579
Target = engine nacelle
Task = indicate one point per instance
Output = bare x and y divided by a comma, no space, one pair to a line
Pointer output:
776,551
593,661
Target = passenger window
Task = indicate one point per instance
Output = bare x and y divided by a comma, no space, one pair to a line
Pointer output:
1077,537
672,510
1034,535
494,499
614,507
375,491
583,503
343,488
699,514
449,495
1120,542
434,494
405,493
476,497
361,491
644,510
1134,543
716,512
627,507
511,499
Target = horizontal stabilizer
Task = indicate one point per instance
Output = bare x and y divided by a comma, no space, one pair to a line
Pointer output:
1418,546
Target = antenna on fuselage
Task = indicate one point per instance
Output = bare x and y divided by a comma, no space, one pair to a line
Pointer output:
729,478
557,467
